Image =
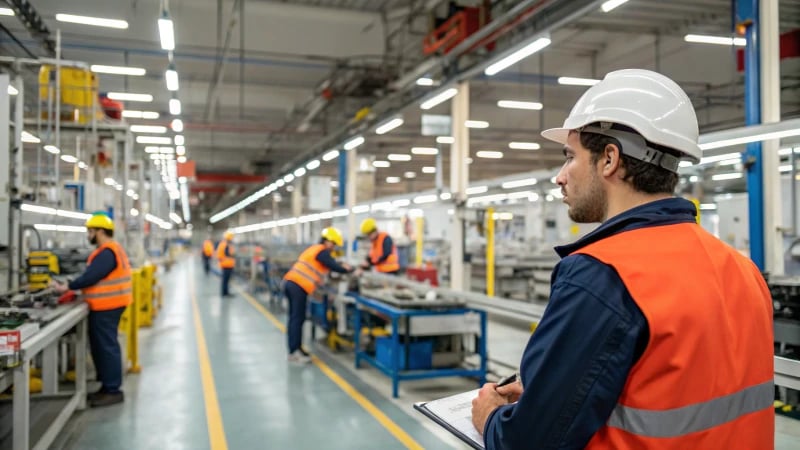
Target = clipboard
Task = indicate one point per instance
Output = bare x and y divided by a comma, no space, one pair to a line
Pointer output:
456,422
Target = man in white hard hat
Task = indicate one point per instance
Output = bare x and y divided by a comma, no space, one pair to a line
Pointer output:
657,334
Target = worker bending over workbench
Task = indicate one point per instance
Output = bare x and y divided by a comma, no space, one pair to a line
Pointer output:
305,276
106,287
226,261
383,253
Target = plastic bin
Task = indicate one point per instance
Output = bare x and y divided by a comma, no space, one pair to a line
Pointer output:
420,354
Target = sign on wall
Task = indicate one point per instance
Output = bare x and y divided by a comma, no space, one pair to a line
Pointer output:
319,193
435,125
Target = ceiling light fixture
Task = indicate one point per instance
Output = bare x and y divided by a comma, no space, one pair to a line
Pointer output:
718,40
313,164
490,154
424,150
171,76
52,149
612,4
128,97
514,57
389,126
353,143
574,81
148,129
69,159
333,154
476,124
12,90
424,81
179,140
94,21
177,125
174,106
398,157
519,183
429,169
381,164
6,12
445,140
118,70
132,114
161,140
514,104
166,31
524,145
447,94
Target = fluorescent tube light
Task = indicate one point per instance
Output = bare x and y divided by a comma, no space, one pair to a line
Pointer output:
353,143
490,154
398,157
392,180
179,140
128,97
389,126
708,206
410,175
612,4
182,159
29,138
300,172
52,149
153,140
174,106
424,150
118,70
313,164
12,90
131,114
180,150
381,164
401,203
519,183
333,154
148,129
476,190
429,169
172,79
360,209
445,196
94,21
476,124
573,81
425,199
69,159
6,12
166,32
718,40
749,139
177,125
726,176
514,104
439,98
518,55
445,140
288,178
424,81
524,145
165,150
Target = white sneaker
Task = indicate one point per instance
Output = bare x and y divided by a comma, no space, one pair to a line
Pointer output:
298,357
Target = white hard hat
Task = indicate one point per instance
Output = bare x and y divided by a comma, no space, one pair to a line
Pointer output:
646,101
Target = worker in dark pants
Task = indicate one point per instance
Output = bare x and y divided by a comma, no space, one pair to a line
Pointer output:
305,276
226,261
208,253
383,253
106,287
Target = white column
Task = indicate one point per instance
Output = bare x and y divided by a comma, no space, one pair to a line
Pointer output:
350,198
17,164
5,153
771,112
459,178
297,210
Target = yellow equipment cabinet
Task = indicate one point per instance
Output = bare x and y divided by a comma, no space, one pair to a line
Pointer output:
78,91
42,265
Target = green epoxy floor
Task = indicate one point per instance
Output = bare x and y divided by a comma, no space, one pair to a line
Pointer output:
265,401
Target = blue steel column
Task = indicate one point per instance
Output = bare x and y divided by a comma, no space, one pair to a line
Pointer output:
342,178
747,17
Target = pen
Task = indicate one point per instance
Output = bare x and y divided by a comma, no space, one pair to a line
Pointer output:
508,380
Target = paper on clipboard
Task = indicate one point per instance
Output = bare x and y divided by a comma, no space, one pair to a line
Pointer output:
454,413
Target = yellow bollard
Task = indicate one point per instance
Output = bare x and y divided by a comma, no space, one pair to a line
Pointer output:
129,324
420,239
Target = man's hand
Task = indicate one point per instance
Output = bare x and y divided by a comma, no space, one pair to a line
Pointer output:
488,400
364,265
59,287
511,392
347,267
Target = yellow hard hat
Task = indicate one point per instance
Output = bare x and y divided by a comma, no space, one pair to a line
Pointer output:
228,235
368,226
333,235
100,221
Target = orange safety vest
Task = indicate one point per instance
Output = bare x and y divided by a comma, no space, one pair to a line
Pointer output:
208,248
391,264
115,290
705,379
307,272
225,262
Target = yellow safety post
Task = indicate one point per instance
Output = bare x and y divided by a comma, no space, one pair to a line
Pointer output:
145,300
490,252
420,241
129,324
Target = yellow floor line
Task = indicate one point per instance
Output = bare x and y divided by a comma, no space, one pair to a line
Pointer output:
216,431
382,418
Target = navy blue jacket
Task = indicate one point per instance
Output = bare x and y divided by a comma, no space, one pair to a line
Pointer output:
326,259
102,265
578,359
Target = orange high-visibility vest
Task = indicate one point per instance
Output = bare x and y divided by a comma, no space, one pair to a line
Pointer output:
705,380
115,290
225,262
391,264
307,272
208,248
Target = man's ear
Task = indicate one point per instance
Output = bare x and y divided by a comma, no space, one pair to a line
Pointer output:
611,160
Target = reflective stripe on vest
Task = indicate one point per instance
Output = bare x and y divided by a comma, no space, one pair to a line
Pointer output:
225,261
391,264
704,380
307,272
116,289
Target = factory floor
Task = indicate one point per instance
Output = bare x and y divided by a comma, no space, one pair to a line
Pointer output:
214,375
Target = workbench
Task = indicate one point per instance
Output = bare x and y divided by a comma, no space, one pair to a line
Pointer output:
411,321
38,419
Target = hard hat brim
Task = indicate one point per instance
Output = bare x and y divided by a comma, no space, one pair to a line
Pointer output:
559,135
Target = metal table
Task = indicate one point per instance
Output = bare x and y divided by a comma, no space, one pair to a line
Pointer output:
24,406
424,323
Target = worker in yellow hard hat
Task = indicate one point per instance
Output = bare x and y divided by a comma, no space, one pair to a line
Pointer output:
383,253
106,287
305,276
226,261
208,253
